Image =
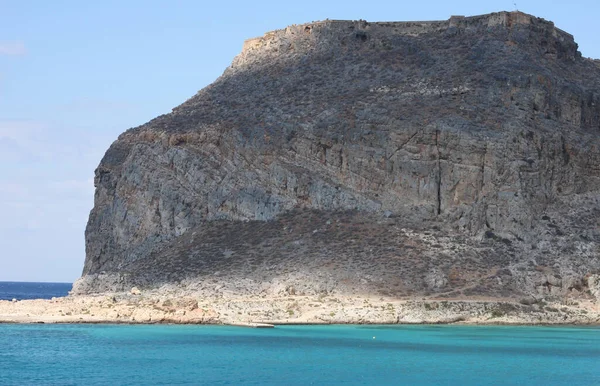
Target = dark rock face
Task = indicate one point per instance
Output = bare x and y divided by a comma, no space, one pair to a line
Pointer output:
486,128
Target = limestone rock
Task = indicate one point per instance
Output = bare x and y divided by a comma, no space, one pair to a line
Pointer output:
479,134
593,283
436,279
135,291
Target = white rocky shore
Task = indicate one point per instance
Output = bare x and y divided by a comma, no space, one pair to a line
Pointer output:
136,307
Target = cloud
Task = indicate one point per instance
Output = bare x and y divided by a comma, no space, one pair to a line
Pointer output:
12,48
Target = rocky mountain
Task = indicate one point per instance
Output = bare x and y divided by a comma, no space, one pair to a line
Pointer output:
456,158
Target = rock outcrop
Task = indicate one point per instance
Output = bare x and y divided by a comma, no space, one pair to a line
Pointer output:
452,158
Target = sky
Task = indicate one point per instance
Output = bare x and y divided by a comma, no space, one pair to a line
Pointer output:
76,74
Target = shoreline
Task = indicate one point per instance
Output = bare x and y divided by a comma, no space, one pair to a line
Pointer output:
126,308
275,325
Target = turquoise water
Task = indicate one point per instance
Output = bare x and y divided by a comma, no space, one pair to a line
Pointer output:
297,355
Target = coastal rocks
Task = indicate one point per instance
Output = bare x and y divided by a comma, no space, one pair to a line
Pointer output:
101,282
456,159
135,291
593,283
239,310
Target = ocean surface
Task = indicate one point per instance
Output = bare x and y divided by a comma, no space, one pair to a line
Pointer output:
28,290
298,355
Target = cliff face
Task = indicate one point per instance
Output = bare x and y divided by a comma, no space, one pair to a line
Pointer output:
413,158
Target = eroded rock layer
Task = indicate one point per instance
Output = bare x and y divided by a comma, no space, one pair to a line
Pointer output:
451,158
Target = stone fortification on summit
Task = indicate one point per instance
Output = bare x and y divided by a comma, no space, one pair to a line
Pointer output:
285,39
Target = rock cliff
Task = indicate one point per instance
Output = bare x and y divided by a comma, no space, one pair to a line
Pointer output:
456,158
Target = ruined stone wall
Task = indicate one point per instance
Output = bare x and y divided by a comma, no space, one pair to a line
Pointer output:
299,37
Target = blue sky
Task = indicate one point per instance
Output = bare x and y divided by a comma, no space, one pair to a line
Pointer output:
75,74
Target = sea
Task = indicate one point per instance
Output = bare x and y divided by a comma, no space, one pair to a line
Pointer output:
29,290
78,354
